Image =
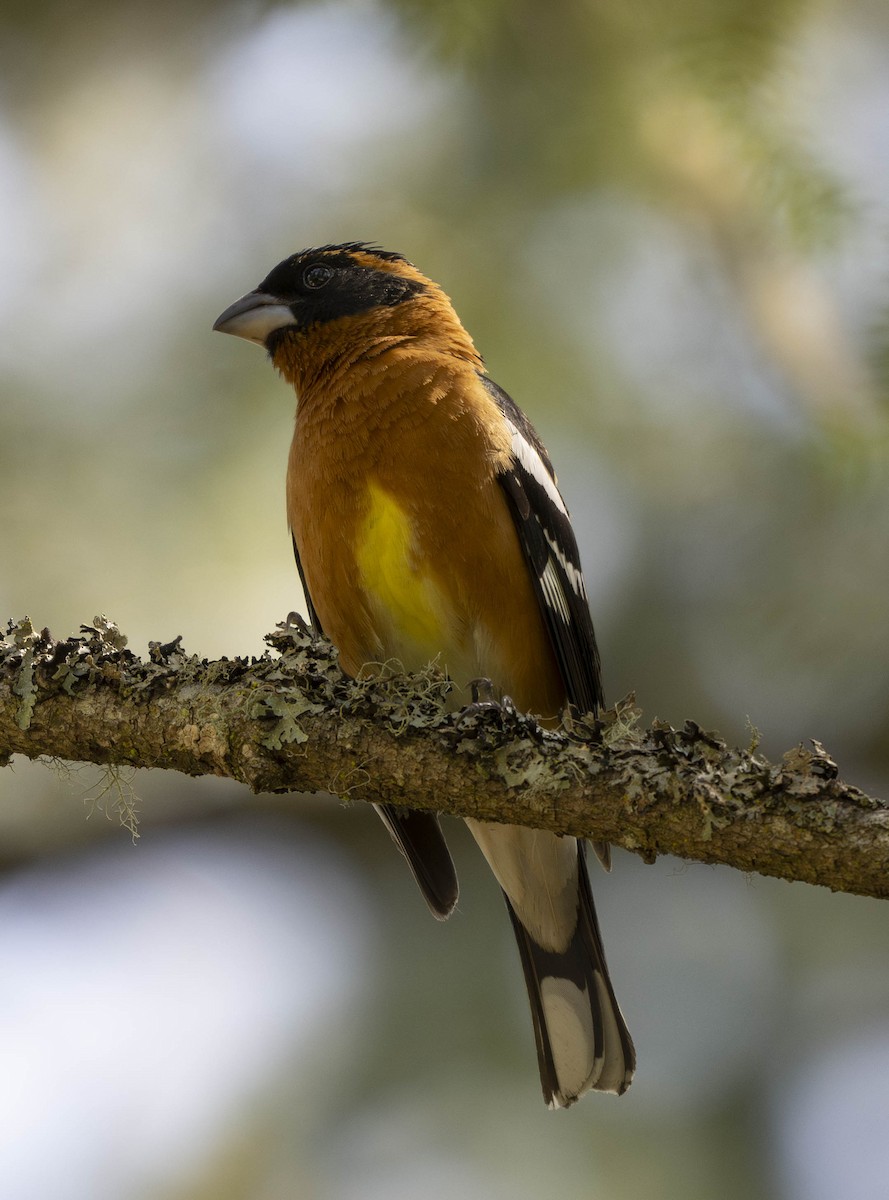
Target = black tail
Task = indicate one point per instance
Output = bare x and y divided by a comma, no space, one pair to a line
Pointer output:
582,1041
419,838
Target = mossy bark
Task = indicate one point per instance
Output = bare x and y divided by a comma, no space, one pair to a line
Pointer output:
291,721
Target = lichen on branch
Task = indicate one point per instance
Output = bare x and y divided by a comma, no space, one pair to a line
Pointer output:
291,721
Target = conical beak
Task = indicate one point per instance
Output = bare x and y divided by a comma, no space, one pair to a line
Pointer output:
254,317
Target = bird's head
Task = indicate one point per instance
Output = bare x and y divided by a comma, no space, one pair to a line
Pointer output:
335,300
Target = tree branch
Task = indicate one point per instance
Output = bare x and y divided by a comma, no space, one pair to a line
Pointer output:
291,721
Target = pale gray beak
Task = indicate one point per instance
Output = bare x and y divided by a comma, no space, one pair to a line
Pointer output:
254,317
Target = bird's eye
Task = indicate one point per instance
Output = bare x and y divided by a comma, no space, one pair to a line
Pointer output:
317,275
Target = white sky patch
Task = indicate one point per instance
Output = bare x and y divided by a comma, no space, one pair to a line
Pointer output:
300,96
147,185
21,226
844,81
831,1117
147,993
652,292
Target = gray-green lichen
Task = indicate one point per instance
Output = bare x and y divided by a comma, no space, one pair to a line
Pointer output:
290,720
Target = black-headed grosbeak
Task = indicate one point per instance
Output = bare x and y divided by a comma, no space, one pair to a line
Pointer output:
427,524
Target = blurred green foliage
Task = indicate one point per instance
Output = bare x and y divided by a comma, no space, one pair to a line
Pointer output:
665,226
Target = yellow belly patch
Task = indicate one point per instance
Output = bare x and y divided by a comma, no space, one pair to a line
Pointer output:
405,597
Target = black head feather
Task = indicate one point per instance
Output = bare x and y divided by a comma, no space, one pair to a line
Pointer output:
328,282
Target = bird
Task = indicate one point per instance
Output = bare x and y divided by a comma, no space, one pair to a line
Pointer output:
427,525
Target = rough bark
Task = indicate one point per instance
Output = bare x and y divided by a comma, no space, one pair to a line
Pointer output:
291,721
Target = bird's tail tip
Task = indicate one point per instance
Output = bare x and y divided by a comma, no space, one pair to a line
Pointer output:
583,1043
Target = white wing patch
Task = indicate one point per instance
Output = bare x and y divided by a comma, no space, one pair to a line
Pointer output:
531,461
553,591
572,571
535,466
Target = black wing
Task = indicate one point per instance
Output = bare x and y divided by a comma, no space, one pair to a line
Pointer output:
313,616
417,835
550,549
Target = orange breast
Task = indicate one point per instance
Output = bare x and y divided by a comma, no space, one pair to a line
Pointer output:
407,545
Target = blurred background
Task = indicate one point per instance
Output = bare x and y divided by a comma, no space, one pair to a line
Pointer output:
666,227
